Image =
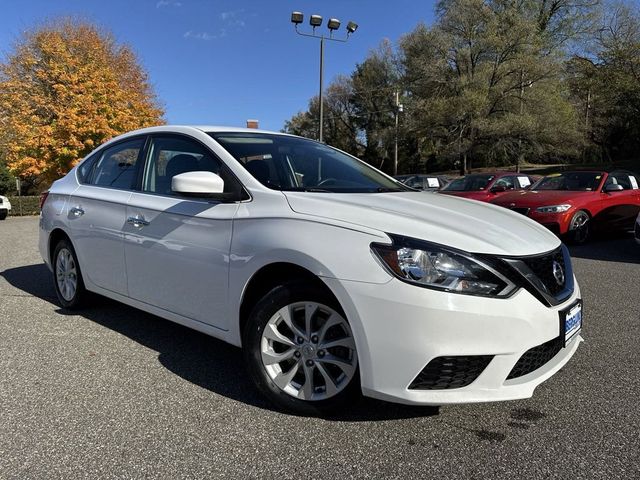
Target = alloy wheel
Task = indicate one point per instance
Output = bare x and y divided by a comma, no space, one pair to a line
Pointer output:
308,351
580,227
66,274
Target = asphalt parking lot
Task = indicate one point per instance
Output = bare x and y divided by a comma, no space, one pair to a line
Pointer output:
114,392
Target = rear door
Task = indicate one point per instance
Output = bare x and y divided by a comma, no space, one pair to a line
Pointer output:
177,248
97,212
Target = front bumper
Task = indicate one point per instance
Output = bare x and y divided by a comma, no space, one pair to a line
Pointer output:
400,328
558,223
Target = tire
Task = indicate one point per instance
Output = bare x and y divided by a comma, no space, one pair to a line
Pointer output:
579,228
3,214
281,353
67,277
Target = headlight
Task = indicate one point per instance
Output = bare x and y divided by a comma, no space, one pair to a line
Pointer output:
553,208
433,266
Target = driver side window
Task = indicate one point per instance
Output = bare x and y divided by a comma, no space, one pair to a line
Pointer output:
506,182
172,155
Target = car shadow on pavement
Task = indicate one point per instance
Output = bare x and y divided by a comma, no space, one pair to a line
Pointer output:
193,356
620,248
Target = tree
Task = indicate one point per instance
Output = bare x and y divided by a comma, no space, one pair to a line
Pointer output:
605,83
7,181
375,83
485,83
340,129
66,88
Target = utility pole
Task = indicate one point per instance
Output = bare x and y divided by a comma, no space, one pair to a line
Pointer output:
320,128
395,154
586,113
519,159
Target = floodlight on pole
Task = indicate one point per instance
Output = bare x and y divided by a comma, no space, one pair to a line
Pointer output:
297,18
333,24
315,21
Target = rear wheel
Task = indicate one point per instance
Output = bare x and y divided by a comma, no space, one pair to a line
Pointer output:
3,214
67,277
579,227
300,350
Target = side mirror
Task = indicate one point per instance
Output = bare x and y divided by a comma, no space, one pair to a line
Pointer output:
498,189
197,184
613,187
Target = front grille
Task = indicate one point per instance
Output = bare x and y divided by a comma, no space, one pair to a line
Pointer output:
549,277
522,210
443,373
535,358
543,268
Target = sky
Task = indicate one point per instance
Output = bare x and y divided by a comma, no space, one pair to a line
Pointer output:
221,62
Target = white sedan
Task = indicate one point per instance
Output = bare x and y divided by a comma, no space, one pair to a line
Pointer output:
334,278
5,207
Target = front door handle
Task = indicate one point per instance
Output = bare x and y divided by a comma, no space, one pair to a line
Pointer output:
76,211
137,221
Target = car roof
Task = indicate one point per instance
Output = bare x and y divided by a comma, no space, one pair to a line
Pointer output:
219,128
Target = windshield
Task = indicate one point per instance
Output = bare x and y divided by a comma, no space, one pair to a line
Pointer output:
469,183
573,181
288,163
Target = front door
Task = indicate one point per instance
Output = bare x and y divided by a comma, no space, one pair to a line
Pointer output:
620,208
177,248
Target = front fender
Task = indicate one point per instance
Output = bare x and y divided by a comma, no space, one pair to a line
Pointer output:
328,251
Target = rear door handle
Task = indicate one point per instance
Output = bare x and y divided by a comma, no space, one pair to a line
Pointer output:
76,211
137,221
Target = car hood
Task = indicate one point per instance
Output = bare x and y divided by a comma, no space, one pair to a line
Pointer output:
540,198
456,222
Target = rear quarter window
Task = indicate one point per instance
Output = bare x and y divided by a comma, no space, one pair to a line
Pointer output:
85,168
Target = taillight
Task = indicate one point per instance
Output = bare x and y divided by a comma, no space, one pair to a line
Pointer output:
43,198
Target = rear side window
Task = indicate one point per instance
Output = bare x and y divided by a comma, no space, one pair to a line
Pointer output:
524,181
628,182
85,169
117,165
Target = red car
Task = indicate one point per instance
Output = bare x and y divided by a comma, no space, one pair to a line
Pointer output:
575,203
487,186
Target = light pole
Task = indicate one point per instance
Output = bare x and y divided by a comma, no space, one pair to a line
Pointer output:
333,24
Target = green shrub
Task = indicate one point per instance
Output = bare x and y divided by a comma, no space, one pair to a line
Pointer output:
30,205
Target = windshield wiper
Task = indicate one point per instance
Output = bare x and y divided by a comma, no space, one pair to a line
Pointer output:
388,189
306,189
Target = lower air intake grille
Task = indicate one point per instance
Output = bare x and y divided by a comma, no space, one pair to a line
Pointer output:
443,373
637,231
535,358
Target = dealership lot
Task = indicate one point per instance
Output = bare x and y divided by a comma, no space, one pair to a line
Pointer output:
114,392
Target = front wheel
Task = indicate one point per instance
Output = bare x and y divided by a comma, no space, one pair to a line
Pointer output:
579,227
67,277
300,350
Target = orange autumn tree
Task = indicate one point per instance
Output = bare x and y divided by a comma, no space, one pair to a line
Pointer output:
66,88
